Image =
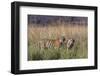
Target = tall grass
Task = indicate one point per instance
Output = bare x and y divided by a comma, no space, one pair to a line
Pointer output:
77,32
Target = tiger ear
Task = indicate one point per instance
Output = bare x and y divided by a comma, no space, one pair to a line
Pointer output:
73,40
59,39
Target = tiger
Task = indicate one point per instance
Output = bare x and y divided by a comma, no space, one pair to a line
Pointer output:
56,43
51,43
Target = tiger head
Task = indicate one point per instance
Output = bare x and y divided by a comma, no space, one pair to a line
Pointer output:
62,40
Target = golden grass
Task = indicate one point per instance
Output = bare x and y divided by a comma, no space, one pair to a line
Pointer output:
36,33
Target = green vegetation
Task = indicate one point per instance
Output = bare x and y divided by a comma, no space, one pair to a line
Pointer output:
77,32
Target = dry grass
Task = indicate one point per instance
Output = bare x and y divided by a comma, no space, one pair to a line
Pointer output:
77,32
